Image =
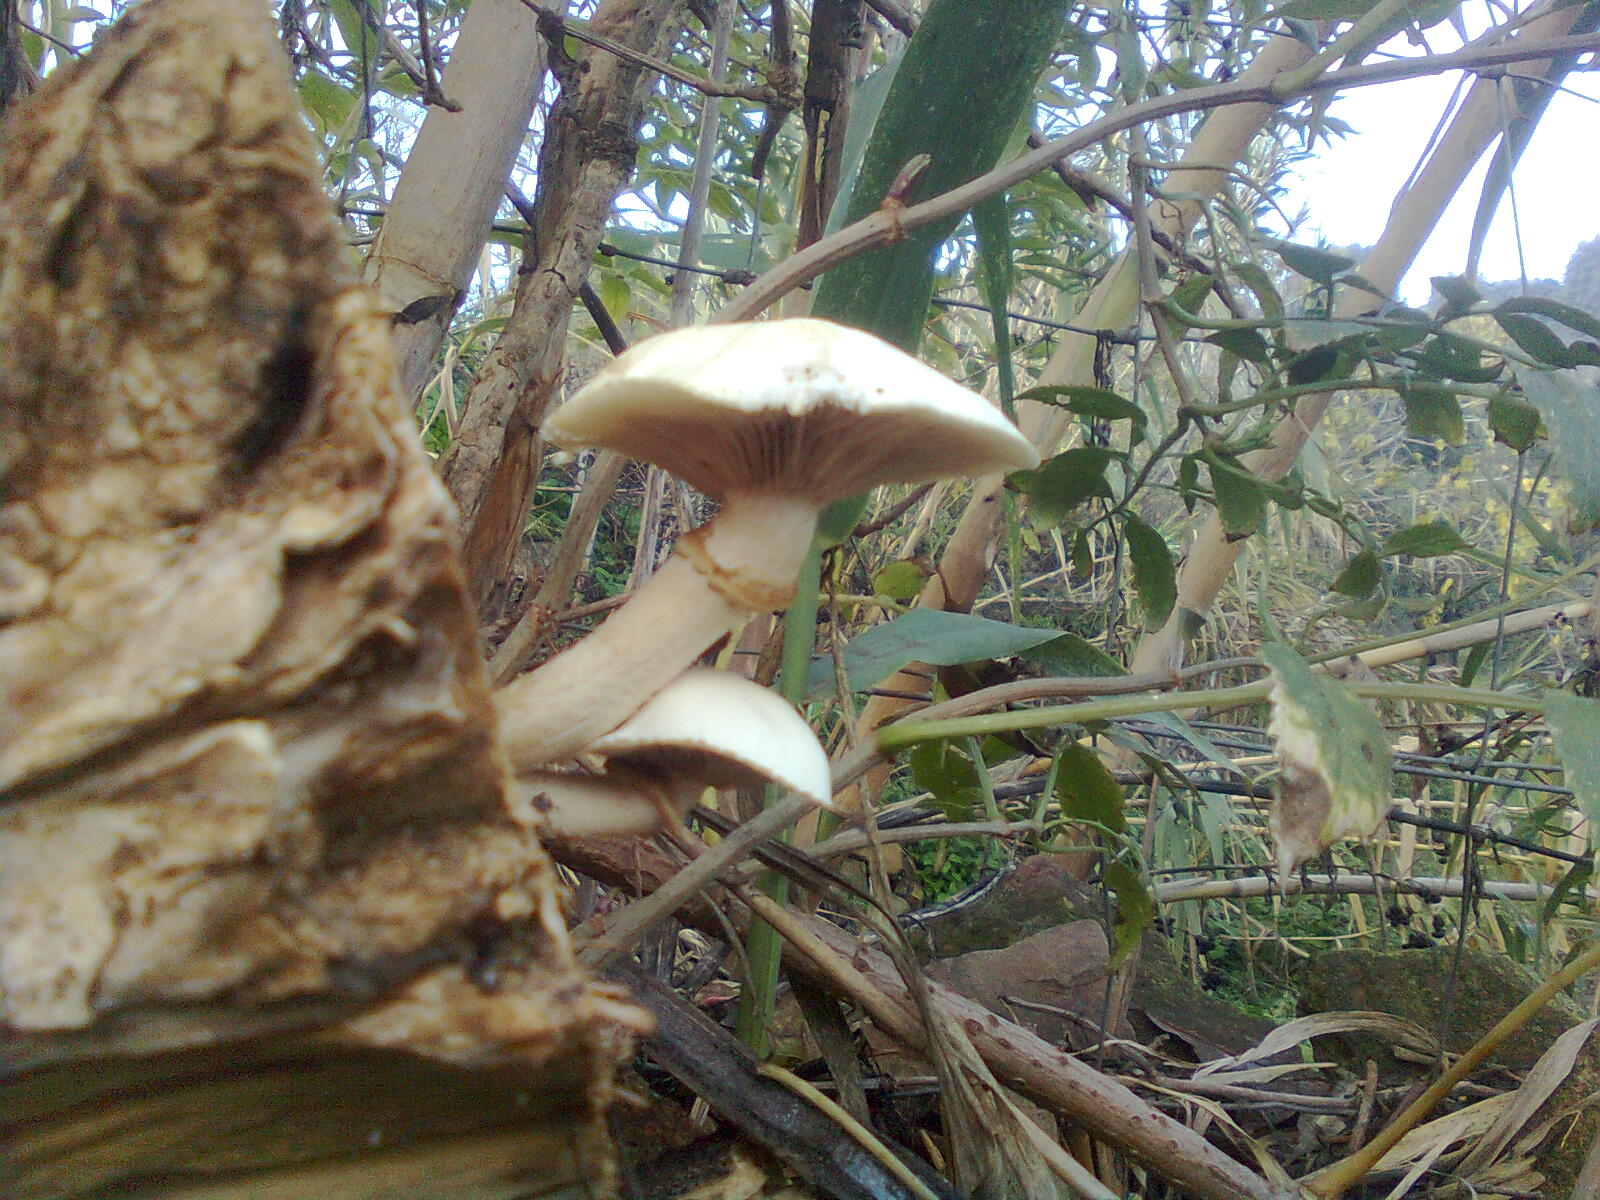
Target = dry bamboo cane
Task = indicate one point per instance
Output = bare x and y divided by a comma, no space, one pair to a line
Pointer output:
447,193
1478,123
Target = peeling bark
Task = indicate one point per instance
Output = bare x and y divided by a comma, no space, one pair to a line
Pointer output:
249,774
589,151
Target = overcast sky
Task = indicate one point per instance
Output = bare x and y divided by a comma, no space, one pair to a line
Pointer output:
1348,186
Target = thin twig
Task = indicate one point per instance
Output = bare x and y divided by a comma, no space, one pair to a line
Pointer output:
1429,887
892,514
901,17
864,1137
677,891
1369,1096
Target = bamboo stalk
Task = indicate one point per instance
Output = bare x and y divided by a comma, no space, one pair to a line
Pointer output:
1349,885
445,199
1476,126
968,555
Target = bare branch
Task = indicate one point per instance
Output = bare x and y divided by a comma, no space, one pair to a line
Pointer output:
882,227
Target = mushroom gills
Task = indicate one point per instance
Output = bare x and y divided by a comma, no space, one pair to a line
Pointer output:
705,729
774,420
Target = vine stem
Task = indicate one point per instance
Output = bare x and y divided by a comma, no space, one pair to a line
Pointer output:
906,733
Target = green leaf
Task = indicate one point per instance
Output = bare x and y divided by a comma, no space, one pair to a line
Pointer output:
397,82
1410,327
1365,609
1515,422
1575,732
943,639
1572,884
1459,295
866,102
328,101
357,35
1136,908
1089,402
839,518
952,778
1360,577
1085,789
616,295
1266,293
1188,482
1320,266
1188,296
1536,339
1070,654
900,580
1240,497
1427,540
1571,410
1316,364
1209,751
1322,10
1155,577
1082,555
1433,411
1333,757
1448,356
960,51
1543,306
1247,344
1064,482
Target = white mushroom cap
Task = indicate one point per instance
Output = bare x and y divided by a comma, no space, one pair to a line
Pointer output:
721,730
799,407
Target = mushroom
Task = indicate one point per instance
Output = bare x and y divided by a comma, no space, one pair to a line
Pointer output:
705,729
774,421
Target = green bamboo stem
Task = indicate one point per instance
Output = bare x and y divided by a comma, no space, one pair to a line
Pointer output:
763,948
906,733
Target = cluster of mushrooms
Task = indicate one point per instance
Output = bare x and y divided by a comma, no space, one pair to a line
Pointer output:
774,421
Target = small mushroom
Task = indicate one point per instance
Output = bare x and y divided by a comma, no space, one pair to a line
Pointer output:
773,420
705,729
716,729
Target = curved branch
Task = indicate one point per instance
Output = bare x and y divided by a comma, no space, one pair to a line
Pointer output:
885,226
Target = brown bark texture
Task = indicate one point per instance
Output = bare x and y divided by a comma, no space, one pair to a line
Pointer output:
589,148
249,779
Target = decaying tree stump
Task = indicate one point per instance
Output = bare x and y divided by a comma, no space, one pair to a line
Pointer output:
267,919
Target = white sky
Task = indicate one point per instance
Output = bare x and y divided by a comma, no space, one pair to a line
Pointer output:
1349,185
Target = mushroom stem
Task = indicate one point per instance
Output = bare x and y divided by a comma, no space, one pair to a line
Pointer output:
622,804
744,561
